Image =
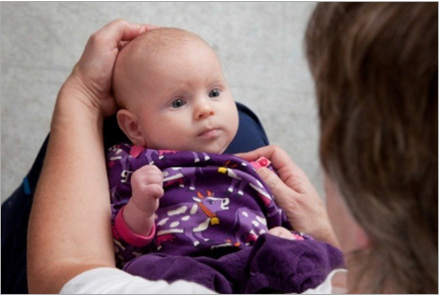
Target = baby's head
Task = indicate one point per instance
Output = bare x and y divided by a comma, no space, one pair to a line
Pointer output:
173,94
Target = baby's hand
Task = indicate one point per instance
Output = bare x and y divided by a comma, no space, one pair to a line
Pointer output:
147,188
282,232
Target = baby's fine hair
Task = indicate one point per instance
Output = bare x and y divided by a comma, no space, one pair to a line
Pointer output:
154,41
146,47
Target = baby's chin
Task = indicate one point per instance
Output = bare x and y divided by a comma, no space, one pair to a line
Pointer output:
209,150
215,148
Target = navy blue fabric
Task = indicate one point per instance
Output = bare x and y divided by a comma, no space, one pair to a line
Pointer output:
15,218
251,134
16,209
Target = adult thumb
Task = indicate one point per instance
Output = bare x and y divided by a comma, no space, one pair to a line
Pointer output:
278,188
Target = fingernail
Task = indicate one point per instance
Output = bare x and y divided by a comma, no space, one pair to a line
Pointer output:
142,29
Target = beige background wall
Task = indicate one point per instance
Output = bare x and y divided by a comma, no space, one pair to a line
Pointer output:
260,45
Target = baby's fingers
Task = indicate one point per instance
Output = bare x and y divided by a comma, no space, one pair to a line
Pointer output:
148,174
154,191
147,199
281,232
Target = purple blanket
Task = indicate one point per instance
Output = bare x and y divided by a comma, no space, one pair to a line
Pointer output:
215,207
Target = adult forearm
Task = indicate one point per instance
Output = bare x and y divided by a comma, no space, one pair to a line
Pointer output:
73,175
69,226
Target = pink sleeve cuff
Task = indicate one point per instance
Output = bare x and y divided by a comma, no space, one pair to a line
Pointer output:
128,235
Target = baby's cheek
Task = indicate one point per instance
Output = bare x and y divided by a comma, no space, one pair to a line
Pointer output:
232,122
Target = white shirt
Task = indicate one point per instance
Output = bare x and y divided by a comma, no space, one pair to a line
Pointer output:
114,281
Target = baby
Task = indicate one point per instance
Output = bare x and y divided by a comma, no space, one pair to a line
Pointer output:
174,194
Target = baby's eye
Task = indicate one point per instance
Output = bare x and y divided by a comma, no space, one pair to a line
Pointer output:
215,93
178,103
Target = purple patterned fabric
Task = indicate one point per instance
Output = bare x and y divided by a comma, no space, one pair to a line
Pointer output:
211,200
211,223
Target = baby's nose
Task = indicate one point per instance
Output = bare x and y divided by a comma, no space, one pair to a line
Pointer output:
204,111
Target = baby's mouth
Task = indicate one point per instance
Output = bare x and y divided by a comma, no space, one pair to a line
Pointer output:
210,133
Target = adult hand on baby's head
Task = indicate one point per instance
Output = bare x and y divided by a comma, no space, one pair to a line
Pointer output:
92,75
294,193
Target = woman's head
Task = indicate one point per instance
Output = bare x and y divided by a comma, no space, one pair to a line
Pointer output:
375,68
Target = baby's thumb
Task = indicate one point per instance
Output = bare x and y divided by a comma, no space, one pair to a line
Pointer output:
274,183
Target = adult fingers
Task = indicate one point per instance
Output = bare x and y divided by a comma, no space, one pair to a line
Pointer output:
278,157
121,30
284,195
270,151
289,172
109,40
91,78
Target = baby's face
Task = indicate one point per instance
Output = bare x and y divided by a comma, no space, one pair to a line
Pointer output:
183,101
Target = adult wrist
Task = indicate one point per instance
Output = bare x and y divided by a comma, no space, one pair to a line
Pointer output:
74,91
325,233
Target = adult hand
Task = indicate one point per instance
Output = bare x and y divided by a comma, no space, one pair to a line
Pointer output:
92,75
294,193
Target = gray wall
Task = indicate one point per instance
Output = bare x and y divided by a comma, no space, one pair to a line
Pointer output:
260,45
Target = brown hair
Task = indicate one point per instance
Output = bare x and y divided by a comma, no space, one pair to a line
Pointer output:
375,67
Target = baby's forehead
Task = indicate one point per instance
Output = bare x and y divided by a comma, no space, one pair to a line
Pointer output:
168,45
165,38
162,53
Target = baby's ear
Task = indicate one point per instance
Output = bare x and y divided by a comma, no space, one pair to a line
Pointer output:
129,124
